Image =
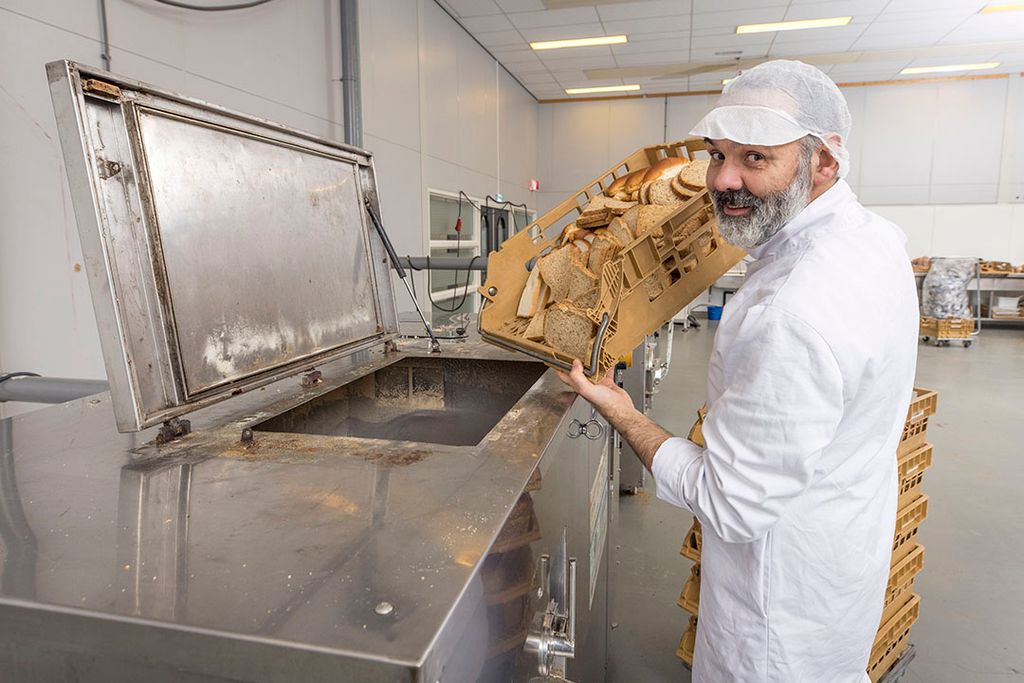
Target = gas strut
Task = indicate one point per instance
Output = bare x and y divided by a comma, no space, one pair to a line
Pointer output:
435,346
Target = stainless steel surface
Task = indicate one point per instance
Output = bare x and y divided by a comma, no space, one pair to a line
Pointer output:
633,379
210,559
49,389
223,251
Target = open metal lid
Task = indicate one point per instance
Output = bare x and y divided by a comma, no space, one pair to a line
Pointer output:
223,251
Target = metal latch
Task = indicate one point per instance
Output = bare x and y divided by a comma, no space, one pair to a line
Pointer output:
592,429
552,636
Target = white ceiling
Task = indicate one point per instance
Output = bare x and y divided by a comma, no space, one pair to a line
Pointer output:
670,39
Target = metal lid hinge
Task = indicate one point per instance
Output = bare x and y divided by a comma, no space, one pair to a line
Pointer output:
172,429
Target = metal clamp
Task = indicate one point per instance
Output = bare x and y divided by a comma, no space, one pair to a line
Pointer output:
553,634
592,429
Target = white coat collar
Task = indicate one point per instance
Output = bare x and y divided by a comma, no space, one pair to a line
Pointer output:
814,214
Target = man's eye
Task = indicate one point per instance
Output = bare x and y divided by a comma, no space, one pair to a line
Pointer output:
717,156
755,156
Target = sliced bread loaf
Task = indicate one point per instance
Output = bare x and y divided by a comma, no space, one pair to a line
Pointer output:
569,330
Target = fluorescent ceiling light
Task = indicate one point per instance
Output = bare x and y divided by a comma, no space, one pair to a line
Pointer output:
793,25
948,67
578,42
601,88
1008,7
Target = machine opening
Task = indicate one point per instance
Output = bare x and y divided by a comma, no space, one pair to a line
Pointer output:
431,400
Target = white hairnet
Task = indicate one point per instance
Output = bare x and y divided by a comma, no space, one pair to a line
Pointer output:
778,102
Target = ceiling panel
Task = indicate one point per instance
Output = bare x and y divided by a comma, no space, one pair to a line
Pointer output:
677,22
520,5
678,35
724,5
490,22
472,8
501,38
674,41
641,10
733,19
562,33
555,17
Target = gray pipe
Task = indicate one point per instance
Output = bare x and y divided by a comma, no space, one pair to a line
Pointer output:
444,262
350,72
49,389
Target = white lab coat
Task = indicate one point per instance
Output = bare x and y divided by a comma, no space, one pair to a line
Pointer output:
808,387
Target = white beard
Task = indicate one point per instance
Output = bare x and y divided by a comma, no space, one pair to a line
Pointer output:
769,214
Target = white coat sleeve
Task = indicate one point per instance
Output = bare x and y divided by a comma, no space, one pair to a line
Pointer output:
779,406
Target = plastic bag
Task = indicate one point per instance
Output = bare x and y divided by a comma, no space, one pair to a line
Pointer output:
944,293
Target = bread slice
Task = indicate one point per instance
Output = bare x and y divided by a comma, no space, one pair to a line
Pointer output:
681,190
694,174
642,195
619,229
614,205
531,294
555,268
568,329
570,233
661,193
535,330
651,219
665,169
630,218
605,249
597,218
584,287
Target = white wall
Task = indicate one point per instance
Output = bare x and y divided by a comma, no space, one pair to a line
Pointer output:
280,61
945,160
438,113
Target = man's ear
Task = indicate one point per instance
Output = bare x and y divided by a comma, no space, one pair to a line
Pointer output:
825,168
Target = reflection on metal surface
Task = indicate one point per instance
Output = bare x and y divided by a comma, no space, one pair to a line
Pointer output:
152,546
20,547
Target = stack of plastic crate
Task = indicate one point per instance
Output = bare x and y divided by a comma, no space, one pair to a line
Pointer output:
901,605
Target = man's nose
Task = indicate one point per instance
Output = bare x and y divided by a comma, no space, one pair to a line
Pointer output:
726,177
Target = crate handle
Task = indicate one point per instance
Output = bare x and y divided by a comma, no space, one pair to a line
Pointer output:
595,352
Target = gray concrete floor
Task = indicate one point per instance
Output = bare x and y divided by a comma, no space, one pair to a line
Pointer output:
971,627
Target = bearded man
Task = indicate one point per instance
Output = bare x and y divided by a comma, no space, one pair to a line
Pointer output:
807,391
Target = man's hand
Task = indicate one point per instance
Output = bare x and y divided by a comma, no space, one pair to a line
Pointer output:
617,407
610,399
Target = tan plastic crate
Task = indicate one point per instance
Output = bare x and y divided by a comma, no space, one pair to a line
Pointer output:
908,521
689,598
947,328
688,642
901,582
685,263
911,469
891,639
692,542
922,406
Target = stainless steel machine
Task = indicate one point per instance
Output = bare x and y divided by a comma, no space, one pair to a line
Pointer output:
641,379
277,488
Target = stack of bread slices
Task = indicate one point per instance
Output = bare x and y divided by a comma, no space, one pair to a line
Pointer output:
566,282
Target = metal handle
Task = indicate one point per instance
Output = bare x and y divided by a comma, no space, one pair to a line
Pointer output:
592,429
